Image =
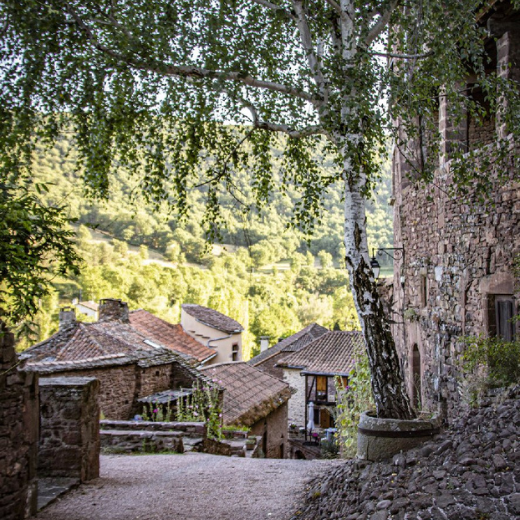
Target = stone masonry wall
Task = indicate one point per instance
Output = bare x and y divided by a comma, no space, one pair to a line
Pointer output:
296,412
69,428
18,433
117,389
275,427
457,253
155,379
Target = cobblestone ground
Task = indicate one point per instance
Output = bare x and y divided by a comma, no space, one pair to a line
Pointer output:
193,486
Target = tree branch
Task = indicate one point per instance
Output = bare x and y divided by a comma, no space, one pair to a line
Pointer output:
334,6
402,56
185,71
275,7
379,27
286,129
306,39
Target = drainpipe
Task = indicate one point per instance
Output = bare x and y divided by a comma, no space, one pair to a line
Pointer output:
217,339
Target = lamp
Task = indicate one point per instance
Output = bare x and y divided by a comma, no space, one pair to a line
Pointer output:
376,268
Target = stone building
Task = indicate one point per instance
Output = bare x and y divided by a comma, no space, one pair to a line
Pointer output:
18,433
214,330
256,400
129,364
267,359
311,372
456,277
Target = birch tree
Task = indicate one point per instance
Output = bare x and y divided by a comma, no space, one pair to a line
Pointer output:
184,92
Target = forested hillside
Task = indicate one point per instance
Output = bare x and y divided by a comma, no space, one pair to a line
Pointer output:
268,277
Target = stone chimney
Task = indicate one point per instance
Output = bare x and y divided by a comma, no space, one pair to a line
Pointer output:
112,309
264,343
67,317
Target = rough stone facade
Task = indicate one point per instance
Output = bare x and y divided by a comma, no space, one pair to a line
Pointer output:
459,255
117,388
18,433
69,428
273,430
296,412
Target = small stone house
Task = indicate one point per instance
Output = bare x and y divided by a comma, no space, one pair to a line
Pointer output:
311,372
256,400
267,359
214,330
129,364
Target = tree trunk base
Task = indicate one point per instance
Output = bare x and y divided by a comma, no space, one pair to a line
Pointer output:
380,439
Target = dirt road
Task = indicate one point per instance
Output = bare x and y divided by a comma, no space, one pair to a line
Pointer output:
193,486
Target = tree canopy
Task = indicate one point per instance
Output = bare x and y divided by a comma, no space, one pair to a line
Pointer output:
171,91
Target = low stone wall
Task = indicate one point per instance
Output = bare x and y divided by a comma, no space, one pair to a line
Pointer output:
188,429
18,434
69,428
127,441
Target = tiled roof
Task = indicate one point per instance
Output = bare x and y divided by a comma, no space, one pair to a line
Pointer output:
291,344
101,344
169,335
249,393
212,318
332,353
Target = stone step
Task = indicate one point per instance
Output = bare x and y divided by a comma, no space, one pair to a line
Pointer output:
192,443
189,429
128,441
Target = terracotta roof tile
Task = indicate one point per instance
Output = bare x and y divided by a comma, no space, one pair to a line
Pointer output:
333,353
291,344
170,335
250,394
212,318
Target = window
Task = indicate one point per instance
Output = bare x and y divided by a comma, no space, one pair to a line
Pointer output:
234,352
501,310
321,388
424,291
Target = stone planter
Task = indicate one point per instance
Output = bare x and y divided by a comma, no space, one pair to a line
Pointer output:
379,439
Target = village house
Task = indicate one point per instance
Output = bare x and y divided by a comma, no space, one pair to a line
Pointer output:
88,308
311,371
128,363
456,277
256,400
171,336
268,358
213,330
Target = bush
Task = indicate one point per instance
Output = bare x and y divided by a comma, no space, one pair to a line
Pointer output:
500,359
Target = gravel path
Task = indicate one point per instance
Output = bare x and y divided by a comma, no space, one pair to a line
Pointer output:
194,486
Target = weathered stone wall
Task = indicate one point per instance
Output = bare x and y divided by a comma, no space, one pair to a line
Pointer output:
274,426
155,379
117,389
457,254
296,413
18,434
69,428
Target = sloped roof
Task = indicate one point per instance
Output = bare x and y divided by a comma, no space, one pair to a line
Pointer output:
93,306
331,354
212,318
170,335
100,344
291,344
250,394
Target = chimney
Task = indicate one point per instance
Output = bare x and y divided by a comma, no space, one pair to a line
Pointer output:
112,309
67,317
264,343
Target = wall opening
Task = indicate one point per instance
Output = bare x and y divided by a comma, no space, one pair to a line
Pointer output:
416,376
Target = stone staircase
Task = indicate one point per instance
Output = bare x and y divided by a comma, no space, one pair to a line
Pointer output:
151,437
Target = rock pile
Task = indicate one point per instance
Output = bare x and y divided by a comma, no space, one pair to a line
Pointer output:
471,471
